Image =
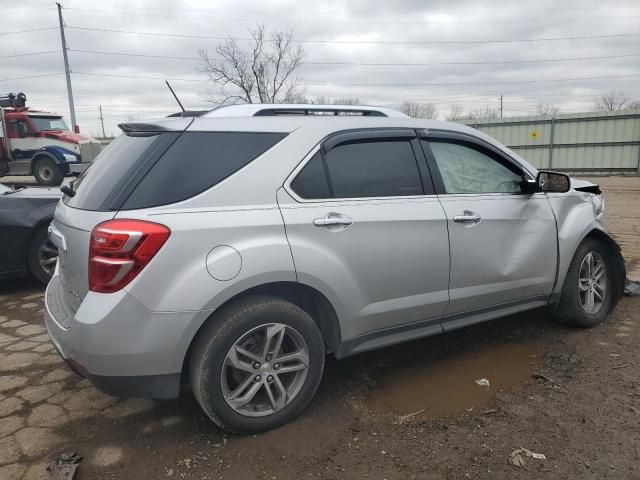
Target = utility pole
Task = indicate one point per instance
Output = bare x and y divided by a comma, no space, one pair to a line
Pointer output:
102,122
500,105
67,71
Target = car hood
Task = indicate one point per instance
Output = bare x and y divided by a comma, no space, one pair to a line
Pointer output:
584,186
37,192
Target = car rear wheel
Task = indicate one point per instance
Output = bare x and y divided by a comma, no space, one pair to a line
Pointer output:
257,364
42,256
47,172
587,294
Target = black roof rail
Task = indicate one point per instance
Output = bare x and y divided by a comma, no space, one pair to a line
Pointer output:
189,113
272,112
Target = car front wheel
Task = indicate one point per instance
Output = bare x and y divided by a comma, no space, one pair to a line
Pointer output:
47,172
587,294
257,364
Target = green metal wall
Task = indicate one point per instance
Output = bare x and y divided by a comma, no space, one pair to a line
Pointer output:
598,142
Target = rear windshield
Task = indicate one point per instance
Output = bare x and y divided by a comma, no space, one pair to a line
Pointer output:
108,171
159,169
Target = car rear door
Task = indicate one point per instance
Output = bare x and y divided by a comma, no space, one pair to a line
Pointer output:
366,229
503,238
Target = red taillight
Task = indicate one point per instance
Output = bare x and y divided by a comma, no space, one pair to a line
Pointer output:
120,249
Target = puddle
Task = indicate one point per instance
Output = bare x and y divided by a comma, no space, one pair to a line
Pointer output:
448,386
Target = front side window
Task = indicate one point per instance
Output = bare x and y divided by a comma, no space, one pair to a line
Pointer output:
466,170
374,169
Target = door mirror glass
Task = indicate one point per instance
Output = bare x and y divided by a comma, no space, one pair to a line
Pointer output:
553,182
21,129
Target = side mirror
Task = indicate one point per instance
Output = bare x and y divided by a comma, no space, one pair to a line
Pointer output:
553,182
21,129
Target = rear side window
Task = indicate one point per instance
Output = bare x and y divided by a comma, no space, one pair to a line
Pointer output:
196,162
374,169
311,182
109,171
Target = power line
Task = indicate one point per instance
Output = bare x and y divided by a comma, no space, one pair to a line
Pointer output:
29,54
169,57
366,42
28,31
140,77
339,22
425,84
31,76
332,12
489,82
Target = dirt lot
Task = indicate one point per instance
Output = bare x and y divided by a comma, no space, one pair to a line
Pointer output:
411,411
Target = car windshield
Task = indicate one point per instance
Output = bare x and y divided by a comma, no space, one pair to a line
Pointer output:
49,123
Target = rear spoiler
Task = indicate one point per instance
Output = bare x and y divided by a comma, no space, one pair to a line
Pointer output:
142,129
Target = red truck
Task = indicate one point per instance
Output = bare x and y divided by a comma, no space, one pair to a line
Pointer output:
40,143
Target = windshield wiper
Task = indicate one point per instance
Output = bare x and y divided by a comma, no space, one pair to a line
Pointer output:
68,190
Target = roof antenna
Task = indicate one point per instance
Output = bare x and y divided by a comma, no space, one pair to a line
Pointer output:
175,96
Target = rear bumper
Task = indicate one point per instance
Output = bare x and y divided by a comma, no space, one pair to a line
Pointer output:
121,347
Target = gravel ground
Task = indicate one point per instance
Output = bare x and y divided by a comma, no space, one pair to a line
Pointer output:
410,411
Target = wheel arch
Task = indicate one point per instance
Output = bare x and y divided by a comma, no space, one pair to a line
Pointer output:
311,300
616,254
52,154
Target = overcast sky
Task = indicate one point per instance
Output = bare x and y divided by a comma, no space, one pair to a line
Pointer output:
401,28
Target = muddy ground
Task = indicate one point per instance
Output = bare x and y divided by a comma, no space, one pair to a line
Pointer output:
410,411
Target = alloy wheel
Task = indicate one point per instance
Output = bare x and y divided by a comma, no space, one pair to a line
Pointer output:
592,282
47,257
264,370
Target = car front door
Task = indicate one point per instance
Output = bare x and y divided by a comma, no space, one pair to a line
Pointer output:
366,228
502,236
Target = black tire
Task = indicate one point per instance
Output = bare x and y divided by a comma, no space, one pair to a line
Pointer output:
570,310
36,268
47,172
217,337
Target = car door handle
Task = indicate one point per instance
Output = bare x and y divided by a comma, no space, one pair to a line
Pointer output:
333,220
467,217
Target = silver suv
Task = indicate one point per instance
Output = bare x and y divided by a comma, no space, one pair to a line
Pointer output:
233,252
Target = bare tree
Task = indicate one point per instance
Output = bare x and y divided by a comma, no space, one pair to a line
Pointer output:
479,114
133,117
322,100
611,102
634,105
547,109
295,96
455,112
261,73
418,110
347,101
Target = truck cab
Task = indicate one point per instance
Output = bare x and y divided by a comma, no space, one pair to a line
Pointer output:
40,143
